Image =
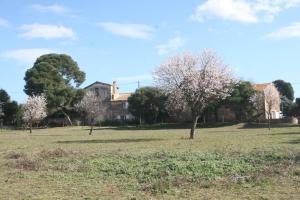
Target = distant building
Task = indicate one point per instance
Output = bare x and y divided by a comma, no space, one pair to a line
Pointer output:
226,113
115,104
275,112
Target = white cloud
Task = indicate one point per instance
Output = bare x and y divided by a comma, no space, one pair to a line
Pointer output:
138,31
46,31
54,8
25,56
292,31
3,22
226,9
246,11
171,45
134,78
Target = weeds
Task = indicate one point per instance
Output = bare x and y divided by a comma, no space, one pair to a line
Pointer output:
38,161
161,171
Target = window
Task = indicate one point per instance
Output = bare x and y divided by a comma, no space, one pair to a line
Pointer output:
97,91
125,105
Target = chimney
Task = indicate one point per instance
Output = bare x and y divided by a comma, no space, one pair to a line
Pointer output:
115,90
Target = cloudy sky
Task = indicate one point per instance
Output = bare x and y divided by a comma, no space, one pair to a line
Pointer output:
125,40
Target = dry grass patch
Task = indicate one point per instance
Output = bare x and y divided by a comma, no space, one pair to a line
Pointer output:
39,160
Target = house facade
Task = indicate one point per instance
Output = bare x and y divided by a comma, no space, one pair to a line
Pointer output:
114,103
275,110
225,113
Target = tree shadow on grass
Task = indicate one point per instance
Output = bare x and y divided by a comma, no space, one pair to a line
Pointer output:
287,133
266,125
109,141
297,141
165,126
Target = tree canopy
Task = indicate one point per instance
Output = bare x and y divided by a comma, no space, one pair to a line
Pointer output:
287,96
193,81
148,104
285,89
9,109
58,77
239,100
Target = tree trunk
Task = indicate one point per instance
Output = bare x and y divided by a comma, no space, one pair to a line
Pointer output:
192,133
91,130
216,115
140,120
30,127
68,118
269,122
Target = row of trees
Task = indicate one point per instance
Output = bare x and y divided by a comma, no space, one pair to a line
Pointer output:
9,110
195,83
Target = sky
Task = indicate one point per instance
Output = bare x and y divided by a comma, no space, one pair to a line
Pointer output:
125,41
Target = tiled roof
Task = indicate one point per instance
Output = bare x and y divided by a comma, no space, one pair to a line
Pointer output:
123,97
260,87
97,82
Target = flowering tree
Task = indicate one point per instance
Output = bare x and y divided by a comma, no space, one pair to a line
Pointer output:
91,107
272,100
34,110
193,81
266,101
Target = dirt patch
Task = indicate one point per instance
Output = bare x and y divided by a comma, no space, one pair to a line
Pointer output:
25,164
37,161
57,153
15,155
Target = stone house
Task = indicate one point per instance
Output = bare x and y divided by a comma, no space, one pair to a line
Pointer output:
115,104
226,114
275,111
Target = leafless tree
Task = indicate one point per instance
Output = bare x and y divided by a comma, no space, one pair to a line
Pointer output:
35,109
91,107
193,81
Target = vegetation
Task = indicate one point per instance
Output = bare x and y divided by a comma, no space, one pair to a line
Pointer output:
34,110
58,77
9,109
194,81
148,104
287,96
221,163
91,107
285,89
239,101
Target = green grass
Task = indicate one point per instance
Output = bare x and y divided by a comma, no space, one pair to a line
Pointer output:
221,163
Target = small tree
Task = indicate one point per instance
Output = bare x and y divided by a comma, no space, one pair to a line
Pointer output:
265,101
272,99
91,107
34,110
193,81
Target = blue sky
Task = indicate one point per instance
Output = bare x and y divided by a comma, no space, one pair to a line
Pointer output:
126,40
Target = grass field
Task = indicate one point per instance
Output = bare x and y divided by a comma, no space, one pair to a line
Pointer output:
221,163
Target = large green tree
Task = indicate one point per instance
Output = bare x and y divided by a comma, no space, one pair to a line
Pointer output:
295,110
9,109
286,91
148,104
239,100
58,77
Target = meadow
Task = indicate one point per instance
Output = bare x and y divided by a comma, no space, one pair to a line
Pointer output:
232,162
